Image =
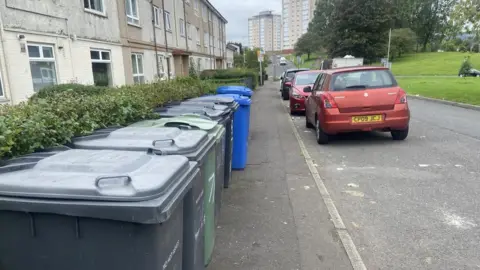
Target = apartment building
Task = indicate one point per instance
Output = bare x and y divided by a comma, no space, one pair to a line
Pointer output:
264,31
162,38
296,15
104,42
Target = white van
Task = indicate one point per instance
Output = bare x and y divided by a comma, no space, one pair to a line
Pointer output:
283,61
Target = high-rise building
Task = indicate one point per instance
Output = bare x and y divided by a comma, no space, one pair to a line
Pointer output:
265,31
296,15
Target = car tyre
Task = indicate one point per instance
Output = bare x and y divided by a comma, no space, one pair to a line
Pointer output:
399,135
322,137
285,95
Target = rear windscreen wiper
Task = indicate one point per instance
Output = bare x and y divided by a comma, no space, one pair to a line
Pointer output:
360,86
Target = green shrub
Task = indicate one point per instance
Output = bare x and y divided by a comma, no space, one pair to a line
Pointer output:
55,116
232,73
70,87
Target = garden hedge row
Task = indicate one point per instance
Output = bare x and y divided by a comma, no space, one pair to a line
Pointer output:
56,114
229,74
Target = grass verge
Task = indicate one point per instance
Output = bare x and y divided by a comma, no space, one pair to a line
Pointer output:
464,90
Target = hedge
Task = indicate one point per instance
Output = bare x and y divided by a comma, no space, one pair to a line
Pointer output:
56,114
227,74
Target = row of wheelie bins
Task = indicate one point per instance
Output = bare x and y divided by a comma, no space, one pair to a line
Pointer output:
142,197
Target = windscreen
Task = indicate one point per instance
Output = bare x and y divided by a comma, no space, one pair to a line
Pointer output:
362,79
306,78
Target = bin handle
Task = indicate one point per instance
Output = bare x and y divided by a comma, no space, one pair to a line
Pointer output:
181,125
151,151
172,141
127,180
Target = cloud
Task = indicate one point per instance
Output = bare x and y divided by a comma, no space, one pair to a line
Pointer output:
238,12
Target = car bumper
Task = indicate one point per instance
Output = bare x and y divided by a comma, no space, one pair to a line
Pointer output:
335,122
297,104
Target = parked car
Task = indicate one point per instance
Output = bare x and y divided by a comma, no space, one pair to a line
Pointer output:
285,80
356,99
297,96
283,61
471,73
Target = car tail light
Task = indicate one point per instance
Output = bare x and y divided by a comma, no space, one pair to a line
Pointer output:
288,84
328,101
401,97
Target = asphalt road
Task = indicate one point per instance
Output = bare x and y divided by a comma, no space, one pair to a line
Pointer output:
275,69
411,204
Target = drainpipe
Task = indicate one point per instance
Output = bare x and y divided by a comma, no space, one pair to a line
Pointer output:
186,33
166,40
155,38
210,47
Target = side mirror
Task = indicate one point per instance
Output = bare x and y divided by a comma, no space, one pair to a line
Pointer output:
307,89
289,84
281,78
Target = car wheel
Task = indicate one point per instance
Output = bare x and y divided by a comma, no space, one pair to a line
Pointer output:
322,137
307,123
285,95
399,135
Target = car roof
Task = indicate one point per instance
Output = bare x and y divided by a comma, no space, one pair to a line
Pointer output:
351,69
297,69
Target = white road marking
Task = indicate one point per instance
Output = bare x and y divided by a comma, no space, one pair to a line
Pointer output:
458,221
355,193
340,169
423,165
345,238
458,166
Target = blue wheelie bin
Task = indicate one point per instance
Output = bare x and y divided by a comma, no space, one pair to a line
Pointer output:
235,89
241,127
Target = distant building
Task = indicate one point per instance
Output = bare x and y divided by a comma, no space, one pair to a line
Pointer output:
232,49
265,31
296,15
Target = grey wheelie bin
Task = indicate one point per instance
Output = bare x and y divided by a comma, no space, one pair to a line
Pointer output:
95,210
215,130
197,146
222,114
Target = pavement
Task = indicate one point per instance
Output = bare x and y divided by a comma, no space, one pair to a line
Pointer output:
406,205
272,215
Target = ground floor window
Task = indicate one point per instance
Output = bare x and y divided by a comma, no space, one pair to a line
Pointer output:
101,67
137,67
42,65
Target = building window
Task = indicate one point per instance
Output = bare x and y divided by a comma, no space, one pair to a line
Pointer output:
168,26
182,27
101,67
42,65
137,68
189,31
198,36
204,13
161,66
94,5
131,7
195,4
205,39
157,17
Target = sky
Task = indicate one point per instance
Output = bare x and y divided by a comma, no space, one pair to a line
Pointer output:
238,12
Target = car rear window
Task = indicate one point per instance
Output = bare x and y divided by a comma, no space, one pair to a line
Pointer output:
362,79
306,78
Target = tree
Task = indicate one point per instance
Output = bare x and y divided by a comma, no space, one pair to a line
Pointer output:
359,28
466,15
403,41
307,44
320,24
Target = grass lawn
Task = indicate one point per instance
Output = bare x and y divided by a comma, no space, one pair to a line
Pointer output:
436,63
464,90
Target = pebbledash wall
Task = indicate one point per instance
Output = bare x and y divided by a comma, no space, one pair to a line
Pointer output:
49,42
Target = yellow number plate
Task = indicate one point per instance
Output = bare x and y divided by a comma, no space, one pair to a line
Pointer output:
367,119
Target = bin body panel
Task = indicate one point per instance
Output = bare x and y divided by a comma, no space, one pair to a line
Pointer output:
209,206
83,209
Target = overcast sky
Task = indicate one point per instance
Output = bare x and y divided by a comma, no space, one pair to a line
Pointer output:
238,12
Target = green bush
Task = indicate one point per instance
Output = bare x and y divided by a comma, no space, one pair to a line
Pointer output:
55,116
232,73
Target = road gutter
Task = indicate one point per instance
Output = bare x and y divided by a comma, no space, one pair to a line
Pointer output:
446,102
345,238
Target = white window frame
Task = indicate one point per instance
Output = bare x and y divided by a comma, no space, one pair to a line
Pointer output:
182,27
189,30
168,24
195,5
42,58
160,58
90,9
137,56
132,18
157,16
204,13
101,60
206,38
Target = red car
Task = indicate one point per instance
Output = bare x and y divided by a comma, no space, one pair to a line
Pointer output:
296,94
357,99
